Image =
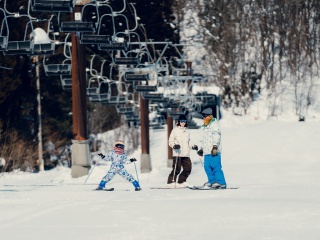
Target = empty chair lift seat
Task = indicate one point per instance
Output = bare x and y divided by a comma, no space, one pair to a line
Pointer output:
52,5
57,69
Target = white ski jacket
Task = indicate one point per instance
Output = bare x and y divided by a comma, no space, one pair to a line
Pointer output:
211,136
180,135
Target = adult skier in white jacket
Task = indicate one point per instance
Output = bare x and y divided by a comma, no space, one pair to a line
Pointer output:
179,141
211,150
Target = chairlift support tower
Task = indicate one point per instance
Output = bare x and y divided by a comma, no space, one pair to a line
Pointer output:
80,145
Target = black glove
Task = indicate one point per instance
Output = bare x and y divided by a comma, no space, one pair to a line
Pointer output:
214,150
101,155
200,152
195,147
133,159
176,146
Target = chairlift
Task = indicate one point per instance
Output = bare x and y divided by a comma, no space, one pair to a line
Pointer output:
17,47
113,46
43,48
57,69
94,39
115,25
126,60
80,24
43,45
71,26
158,100
91,91
125,110
52,5
116,96
98,90
136,77
145,88
63,68
66,82
152,96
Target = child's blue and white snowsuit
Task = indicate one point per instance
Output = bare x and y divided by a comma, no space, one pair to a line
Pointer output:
117,167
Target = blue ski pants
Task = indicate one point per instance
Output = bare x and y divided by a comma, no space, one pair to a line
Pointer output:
213,169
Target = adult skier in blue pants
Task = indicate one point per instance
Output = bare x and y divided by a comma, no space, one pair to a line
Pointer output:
211,150
118,158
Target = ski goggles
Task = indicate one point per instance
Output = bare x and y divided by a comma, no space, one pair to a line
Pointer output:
205,115
120,146
183,121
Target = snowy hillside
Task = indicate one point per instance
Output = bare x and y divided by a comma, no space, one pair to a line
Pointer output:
274,163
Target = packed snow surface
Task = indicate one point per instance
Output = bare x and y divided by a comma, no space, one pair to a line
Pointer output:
274,163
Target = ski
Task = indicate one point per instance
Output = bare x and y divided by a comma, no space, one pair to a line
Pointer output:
208,188
168,187
105,189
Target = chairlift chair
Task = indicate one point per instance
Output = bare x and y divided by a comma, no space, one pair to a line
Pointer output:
52,5
70,26
125,110
96,91
136,77
94,39
116,25
97,36
63,68
113,46
158,100
91,91
66,82
145,88
82,25
43,48
17,47
43,45
57,69
152,96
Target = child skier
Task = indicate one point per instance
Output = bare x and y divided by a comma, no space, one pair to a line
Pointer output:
118,158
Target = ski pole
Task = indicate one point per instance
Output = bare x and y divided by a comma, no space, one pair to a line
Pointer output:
174,172
135,167
102,156
90,173
201,161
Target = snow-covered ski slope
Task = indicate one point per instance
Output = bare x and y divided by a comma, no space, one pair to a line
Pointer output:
275,164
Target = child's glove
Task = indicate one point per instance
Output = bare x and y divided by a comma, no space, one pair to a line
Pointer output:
195,147
200,152
176,146
214,150
133,159
101,155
